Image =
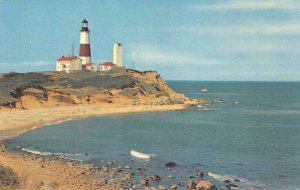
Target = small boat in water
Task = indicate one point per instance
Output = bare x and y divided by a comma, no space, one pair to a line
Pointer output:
204,90
140,154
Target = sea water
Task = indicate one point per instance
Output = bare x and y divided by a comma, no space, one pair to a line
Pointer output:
250,135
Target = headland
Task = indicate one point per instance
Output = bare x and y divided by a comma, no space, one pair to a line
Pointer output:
32,100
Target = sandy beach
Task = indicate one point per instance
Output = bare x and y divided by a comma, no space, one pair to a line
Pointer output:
44,173
14,121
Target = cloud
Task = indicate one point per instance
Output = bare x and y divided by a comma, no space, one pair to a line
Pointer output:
250,29
262,47
248,5
24,66
155,55
34,63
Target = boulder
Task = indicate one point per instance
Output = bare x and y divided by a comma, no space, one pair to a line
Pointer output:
144,182
191,184
205,185
173,186
171,164
181,183
156,178
232,186
160,187
105,169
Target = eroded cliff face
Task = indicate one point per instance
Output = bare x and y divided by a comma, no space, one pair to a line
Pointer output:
123,86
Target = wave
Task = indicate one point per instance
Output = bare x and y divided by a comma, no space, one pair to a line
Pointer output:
204,108
69,156
42,153
58,122
242,183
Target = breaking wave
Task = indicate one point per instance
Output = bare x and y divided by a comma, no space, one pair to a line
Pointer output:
241,183
69,156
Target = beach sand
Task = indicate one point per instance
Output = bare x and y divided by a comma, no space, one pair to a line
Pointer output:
14,121
44,173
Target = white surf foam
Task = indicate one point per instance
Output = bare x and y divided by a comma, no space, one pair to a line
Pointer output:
58,122
37,152
242,183
69,156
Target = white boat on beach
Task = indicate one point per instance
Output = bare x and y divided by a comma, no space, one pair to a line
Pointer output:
140,154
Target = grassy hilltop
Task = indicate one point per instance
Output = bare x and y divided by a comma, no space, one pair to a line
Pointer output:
26,90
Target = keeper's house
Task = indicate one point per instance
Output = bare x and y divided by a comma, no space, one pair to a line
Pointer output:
107,66
69,64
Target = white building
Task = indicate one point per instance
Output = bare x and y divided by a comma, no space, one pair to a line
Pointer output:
107,66
117,54
69,64
90,67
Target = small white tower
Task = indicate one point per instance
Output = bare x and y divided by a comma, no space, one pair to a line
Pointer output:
117,54
85,49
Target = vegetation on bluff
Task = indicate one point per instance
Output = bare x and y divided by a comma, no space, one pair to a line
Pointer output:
117,85
8,179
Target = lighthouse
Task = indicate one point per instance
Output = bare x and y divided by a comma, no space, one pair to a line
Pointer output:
117,54
85,49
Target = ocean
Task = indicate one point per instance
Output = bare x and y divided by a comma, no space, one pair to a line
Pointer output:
249,136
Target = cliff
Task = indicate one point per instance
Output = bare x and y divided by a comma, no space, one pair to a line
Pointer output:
125,86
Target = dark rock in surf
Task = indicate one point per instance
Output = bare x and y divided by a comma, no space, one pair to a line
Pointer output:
171,164
232,186
191,184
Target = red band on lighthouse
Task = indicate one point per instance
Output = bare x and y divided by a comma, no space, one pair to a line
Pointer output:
85,50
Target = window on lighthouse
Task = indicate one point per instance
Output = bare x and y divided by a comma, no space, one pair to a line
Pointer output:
84,25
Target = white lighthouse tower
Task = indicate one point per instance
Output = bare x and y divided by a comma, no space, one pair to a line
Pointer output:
117,54
85,49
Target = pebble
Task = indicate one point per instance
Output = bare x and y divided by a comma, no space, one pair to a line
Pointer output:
232,186
127,167
173,186
160,187
102,181
144,181
150,188
171,177
181,183
156,178
105,169
134,186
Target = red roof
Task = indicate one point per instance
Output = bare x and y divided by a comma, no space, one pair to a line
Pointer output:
89,64
65,58
109,64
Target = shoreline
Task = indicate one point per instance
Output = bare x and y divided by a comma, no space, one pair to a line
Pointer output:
55,172
15,122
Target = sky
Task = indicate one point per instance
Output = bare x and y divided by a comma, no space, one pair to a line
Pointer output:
208,40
